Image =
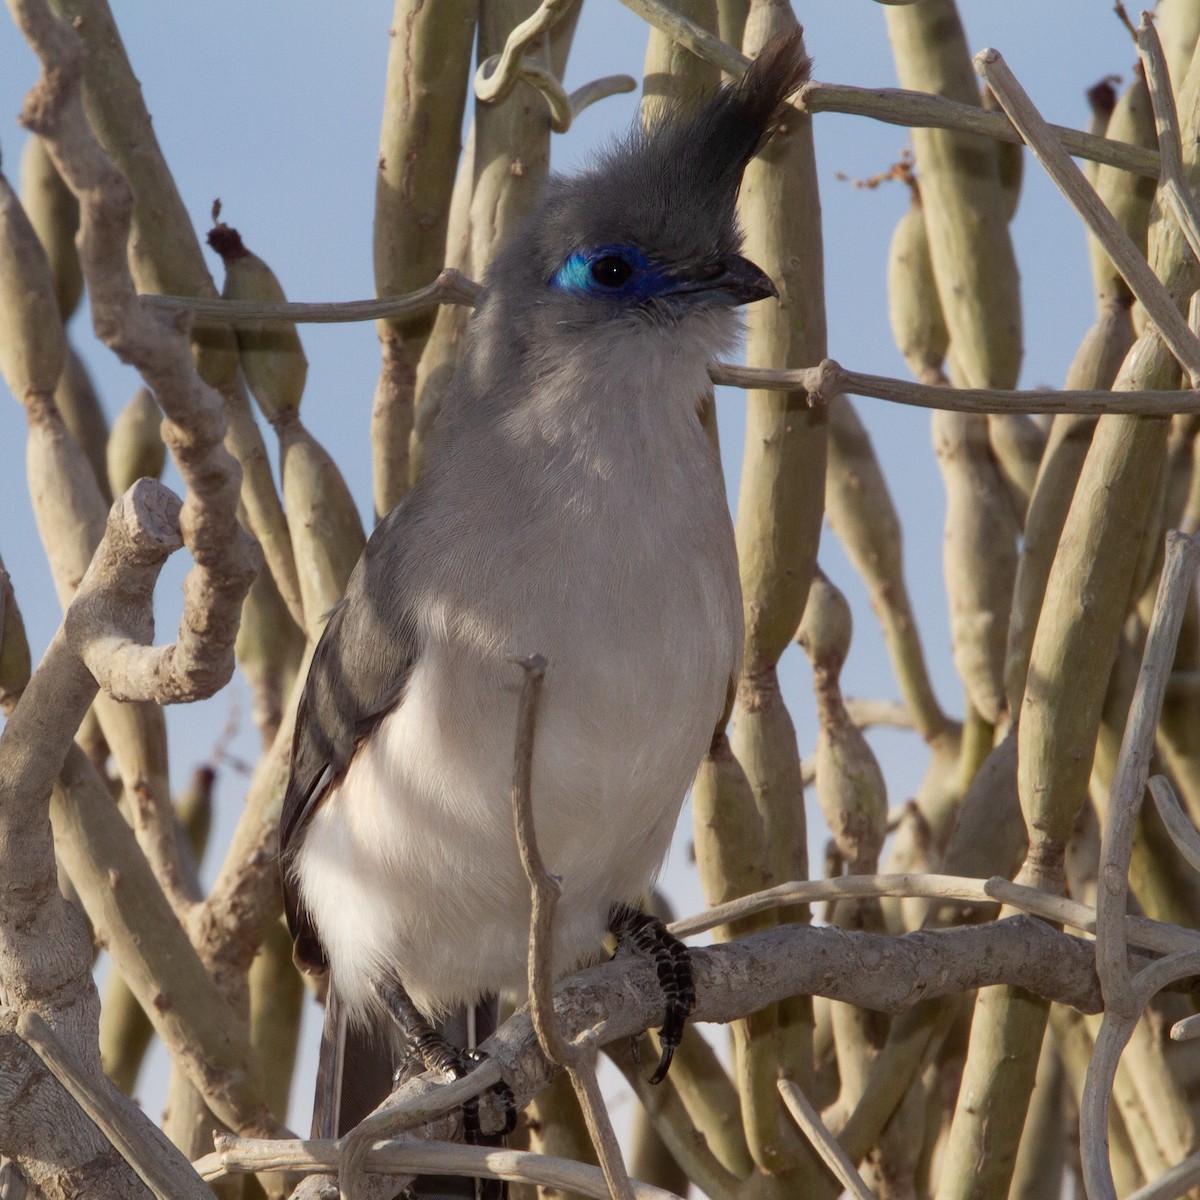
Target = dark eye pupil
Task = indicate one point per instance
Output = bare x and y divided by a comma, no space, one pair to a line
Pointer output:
611,271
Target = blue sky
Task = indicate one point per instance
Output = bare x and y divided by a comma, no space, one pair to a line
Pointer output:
274,108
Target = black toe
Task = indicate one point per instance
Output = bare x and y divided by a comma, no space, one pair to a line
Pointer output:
673,964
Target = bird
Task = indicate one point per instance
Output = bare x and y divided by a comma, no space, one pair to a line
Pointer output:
572,507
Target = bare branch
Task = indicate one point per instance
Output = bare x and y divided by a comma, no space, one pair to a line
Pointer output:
868,713
829,379
201,660
1129,780
237,1156
157,1163
894,106
1150,935
1174,184
450,287
206,1036
1125,998
825,1144
1144,284
621,998
897,106
498,75
1179,826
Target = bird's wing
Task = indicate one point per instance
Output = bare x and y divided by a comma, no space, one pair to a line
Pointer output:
358,674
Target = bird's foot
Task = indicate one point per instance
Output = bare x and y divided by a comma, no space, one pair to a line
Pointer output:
472,1133
437,1053
673,962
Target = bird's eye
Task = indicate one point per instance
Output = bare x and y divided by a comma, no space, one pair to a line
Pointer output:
611,271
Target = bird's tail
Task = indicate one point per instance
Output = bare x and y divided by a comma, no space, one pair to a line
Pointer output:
357,1069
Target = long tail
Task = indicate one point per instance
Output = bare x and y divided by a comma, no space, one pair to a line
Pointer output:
356,1071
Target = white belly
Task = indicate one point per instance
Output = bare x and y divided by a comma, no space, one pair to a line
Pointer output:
411,870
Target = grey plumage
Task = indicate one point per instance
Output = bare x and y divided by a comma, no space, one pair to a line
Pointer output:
571,507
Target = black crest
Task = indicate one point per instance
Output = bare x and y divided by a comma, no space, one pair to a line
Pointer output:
670,189
725,131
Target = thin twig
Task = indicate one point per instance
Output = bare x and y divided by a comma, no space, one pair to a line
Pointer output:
897,106
1133,763
241,1156
1115,1032
1186,1029
600,89
1150,935
225,559
1144,284
579,1057
828,379
893,106
1125,997
544,887
1174,183
825,1144
1173,1183
874,714
820,383
1179,828
1162,100
157,1163
450,287
498,75
695,37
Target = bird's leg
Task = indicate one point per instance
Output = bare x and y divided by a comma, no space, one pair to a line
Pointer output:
438,1054
673,962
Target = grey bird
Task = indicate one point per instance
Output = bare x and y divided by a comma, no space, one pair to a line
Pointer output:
572,506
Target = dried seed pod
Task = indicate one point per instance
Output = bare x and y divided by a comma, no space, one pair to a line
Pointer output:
271,356
1018,442
1127,196
915,312
429,64
53,212
861,512
1102,99
731,850
446,342
1010,160
850,786
1095,365
782,492
269,646
327,534
980,556
84,418
32,344
964,206
135,447
276,997
1178,23
672,75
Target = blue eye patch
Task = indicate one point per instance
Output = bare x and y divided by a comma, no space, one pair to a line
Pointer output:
615,271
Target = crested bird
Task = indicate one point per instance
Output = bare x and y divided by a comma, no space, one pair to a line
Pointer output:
572,506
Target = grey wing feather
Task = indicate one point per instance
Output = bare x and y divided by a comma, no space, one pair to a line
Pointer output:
358,674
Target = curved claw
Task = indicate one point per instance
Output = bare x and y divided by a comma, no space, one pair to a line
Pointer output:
664,1063
673,965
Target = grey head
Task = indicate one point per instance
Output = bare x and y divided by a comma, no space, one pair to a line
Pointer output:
649,231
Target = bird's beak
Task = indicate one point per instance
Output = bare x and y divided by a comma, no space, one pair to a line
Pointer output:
735,280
